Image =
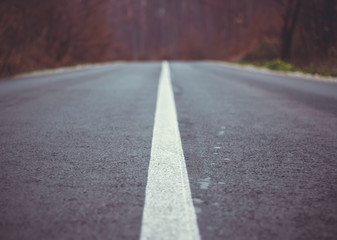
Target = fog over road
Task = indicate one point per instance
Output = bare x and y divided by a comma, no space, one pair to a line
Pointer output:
75,147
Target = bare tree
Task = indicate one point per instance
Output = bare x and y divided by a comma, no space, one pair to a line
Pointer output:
290,16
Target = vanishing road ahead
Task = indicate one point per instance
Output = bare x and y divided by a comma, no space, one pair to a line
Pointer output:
179,150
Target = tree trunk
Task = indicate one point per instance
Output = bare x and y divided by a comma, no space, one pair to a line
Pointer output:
290,20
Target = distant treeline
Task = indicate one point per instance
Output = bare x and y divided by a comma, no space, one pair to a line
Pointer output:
51,33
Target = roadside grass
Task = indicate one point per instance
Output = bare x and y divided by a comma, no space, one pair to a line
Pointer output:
62,69
281,66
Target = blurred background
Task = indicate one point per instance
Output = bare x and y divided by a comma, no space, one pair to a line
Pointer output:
39,34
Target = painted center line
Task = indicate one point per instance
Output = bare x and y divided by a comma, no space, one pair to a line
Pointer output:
168,212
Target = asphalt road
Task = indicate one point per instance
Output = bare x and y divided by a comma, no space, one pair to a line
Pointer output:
260,152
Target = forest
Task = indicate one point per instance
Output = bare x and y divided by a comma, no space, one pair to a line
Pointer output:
39,34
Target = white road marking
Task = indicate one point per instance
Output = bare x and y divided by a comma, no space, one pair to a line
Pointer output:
168,212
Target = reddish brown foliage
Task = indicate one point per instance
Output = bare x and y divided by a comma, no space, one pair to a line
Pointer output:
39,34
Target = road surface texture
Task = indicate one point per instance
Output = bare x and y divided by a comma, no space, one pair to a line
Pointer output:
75,149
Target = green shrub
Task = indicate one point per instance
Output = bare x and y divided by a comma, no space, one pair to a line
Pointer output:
320,71
279,65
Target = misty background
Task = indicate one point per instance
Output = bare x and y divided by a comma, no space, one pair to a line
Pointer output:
39,34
